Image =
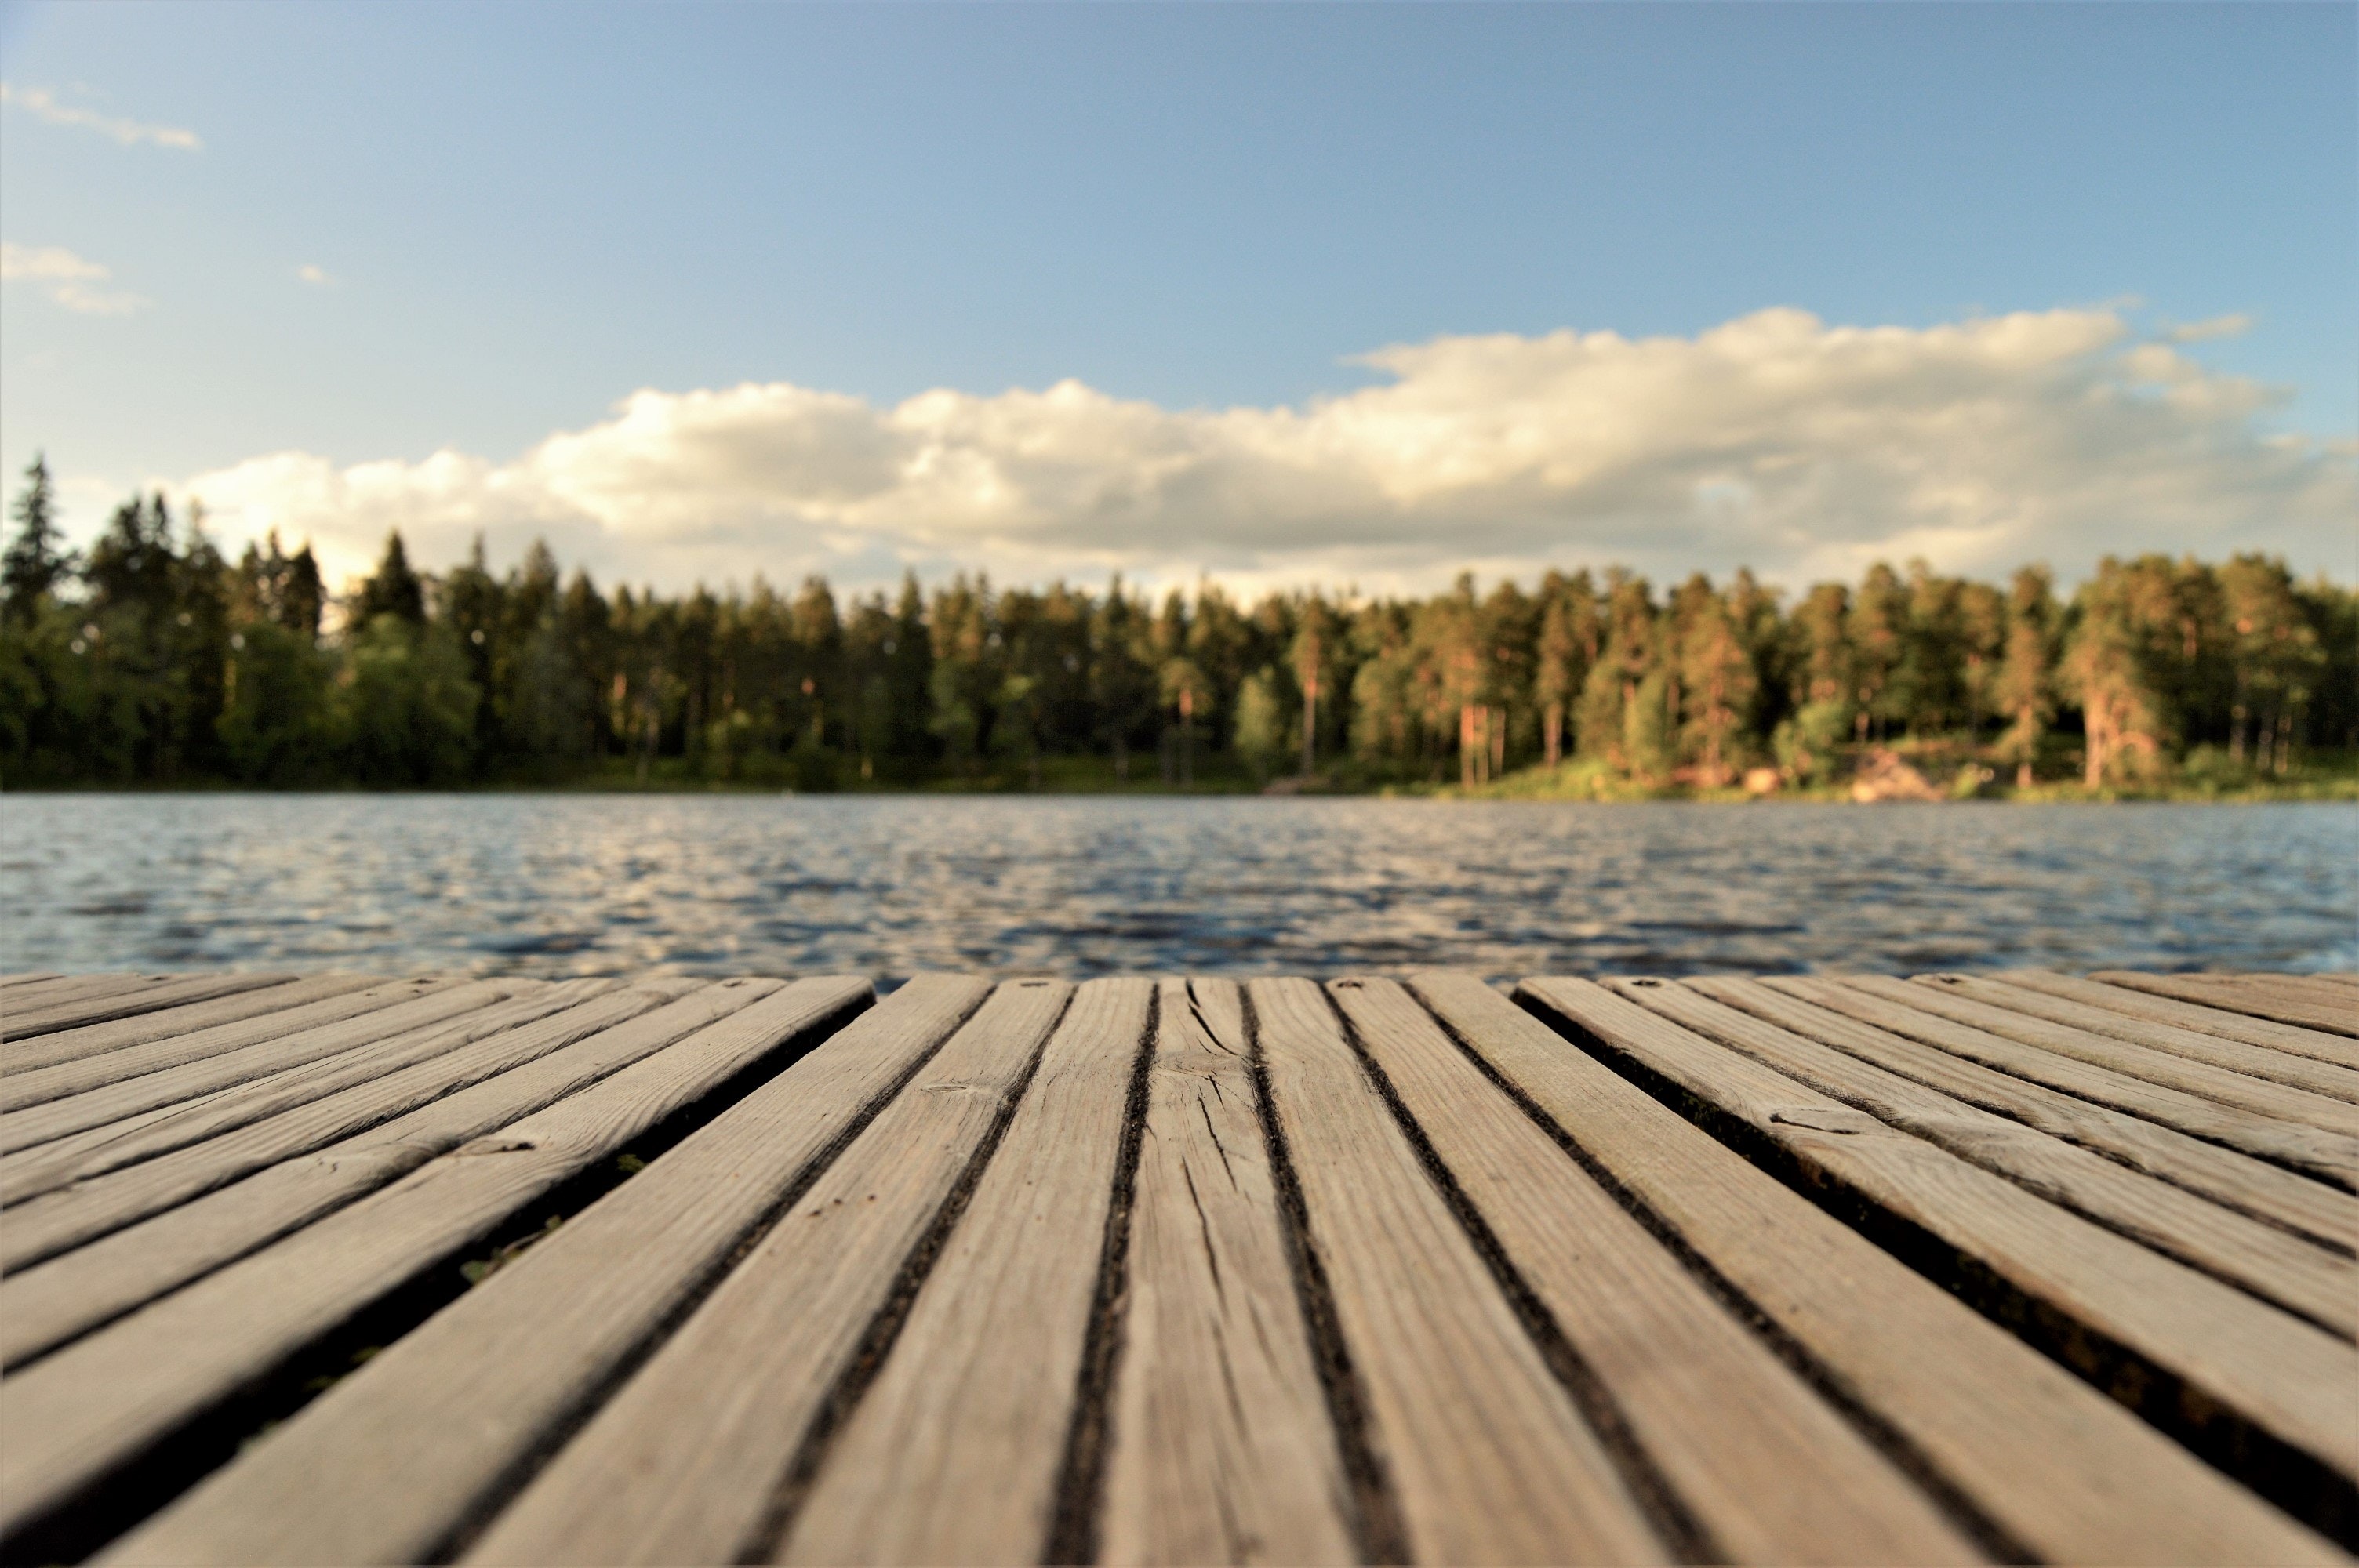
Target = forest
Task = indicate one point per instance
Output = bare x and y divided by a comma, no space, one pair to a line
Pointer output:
152,660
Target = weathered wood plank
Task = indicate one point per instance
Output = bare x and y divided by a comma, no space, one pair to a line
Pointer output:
74,1060
497,1038
2293,1273
2122,1001
2215,1083
83,1413
2306,1149
38,1140
1764,1468
42,1306
25,976
114,1106
2307,1207
2060,1469
2274,1378
2220,991
1222,1449
2252,1061
177,991
1491,1461
956,1452
462,1405
687,1461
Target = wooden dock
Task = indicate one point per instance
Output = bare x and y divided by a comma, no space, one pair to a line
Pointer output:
2015,1266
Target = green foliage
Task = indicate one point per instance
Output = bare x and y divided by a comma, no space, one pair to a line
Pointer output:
1261,731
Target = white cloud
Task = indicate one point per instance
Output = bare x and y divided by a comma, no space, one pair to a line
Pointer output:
316,276
2217,327
1774,440
68,279
42,104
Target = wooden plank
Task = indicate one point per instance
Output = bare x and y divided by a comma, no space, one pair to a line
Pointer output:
2251,1186
1764,1469
395,1037
2283,1383
2065,1473
1223,1449
2120,1000
2253,1061
178,992
2324,990
84,1414
956,1452
111,1105
23,977
73,1060
1489,1458
2295,1274
50,1303
2213,990
43,995
2305,1149
2218,1085
686,1463
500,1037
461,1405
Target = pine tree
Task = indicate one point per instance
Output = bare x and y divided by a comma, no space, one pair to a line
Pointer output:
36,561
395,589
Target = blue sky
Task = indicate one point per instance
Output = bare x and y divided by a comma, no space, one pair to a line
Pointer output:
520,215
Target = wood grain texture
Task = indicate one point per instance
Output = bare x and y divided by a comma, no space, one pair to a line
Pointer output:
77,1416
42,995
464,1406
2218,1085
2289,1068
2235,996
2274,1373
1766,1469
2295,1274
2059,1467
1223,1449
1490,1459
25,976
413,1027
99,1006
2300,1148
954,1453
110,1104
103,1053
685,1462
42,1306
2121,1002
2252,1186
497,1039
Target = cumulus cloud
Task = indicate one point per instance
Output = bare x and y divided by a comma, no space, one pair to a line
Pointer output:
69,279
1774,440
42,104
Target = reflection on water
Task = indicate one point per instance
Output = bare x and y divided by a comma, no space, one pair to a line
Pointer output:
598,884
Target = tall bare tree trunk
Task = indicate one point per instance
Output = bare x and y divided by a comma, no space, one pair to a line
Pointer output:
1552,733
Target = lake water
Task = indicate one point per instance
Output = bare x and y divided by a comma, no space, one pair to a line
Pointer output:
597,885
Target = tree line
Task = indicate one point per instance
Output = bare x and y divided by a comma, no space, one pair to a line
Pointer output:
154,659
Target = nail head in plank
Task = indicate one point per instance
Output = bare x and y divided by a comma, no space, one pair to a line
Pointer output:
685,1462
1769,1471
1490,1459
83,1413
1222,1446
2054,1464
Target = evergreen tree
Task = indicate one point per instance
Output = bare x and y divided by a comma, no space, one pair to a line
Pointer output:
37,561
393,589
